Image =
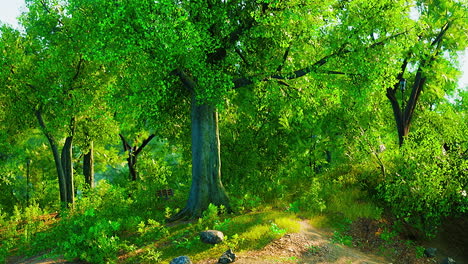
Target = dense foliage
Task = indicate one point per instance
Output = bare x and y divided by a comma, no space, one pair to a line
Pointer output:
338,107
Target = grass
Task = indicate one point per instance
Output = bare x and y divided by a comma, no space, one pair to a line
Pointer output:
353,203
143,240
243,232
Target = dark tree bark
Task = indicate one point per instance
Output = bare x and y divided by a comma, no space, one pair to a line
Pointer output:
67,164
88,166
403,114
403,111
206,185
57,159
133,152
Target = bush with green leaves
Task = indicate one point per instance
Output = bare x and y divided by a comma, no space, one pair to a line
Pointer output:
88,236
428,182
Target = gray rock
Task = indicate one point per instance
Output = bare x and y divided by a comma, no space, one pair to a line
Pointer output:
448,261
227,257
181,260
430,252
211,236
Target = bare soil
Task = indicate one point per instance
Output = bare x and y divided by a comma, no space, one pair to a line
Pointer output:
310,245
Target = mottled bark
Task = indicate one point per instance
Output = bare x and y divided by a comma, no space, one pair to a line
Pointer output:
206,185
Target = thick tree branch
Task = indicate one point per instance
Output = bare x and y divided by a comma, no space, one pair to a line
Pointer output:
415,93
341,51
143,144
241,82
441,34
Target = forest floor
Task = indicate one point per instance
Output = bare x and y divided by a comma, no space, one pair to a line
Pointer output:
316,245
310,245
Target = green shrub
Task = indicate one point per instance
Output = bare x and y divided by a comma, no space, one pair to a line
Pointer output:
88,237
426,184
352,203
245,203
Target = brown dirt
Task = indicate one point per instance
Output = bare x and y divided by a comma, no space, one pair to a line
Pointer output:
310,245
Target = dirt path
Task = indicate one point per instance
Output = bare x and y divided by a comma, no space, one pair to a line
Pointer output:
310,245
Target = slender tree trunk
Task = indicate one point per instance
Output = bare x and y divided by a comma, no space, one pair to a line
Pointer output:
57,159
404,113
133,152
206,163
88,166
67,164
131,160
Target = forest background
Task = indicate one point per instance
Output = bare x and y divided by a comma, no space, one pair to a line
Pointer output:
304,103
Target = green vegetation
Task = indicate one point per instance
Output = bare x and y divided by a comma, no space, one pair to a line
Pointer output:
128,127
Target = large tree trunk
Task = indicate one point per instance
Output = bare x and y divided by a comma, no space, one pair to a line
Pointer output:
206,163
206,157
67,164
88,166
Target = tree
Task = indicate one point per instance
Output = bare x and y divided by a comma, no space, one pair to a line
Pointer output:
133,152
432,56
50,81
214,46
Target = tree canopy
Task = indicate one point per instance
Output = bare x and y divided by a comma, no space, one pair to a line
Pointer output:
223,100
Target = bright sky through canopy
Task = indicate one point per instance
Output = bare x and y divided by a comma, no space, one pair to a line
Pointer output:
11,9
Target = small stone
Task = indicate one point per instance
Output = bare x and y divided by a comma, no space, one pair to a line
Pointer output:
448,261
212,236
227,257
181,260
430,252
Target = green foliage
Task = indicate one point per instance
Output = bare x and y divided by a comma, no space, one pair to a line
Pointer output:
420,251
428,182
151,256
210,215
153,230
245,203
352,203
340,236
387,235
276,230
89,238
308,125
313,250
313,199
